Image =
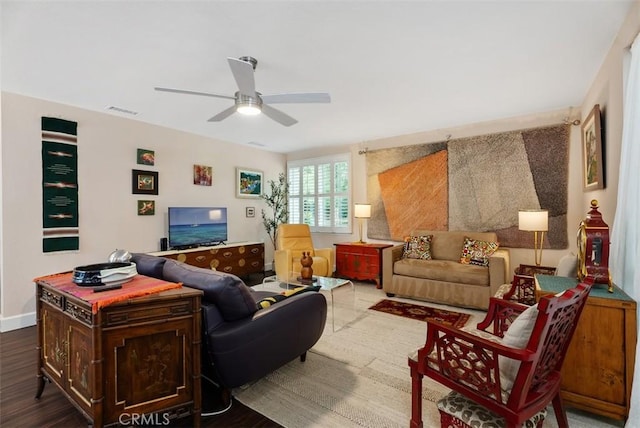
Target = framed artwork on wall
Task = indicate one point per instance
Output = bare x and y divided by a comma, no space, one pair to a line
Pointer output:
146,157
202,175
144,182
146,207
248,183
592,150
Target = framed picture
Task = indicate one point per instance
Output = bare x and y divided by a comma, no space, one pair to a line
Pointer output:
592,160
146,157
144,182
202,175
251,211
146,207
248,183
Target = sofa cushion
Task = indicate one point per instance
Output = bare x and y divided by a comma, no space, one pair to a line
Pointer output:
477,252
417,247
443,270
148,265
228,292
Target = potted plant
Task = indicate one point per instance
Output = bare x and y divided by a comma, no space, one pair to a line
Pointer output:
276,201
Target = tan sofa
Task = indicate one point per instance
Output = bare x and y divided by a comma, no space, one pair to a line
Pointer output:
443,279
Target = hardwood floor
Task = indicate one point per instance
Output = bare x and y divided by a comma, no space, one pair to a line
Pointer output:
19,408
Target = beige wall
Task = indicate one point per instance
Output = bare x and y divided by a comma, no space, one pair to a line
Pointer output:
108,219
607,90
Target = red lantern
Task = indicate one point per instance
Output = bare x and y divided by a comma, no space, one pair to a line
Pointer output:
593,248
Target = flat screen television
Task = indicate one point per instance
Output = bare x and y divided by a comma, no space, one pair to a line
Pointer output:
191,227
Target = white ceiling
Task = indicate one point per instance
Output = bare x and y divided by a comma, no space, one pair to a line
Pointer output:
391,67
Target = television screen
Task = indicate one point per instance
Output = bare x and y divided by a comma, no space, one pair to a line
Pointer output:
196,226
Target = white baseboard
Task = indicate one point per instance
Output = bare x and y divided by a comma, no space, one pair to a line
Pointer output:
17,322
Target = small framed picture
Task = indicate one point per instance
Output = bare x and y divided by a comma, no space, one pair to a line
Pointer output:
146,157
592,147
144,182
202,175
251,211
146,207
248,183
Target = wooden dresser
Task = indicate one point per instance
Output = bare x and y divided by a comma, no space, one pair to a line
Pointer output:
138,358
240,259
597,373
360,261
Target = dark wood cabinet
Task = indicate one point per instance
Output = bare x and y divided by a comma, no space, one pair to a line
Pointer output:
136,358
239,259
597,373
360,261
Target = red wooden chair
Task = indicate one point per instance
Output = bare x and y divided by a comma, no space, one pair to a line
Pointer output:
511,379
523,286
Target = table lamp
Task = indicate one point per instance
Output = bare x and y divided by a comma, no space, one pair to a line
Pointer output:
361,211
535,221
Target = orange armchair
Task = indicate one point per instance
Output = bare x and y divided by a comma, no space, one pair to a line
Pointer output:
509,380
291,241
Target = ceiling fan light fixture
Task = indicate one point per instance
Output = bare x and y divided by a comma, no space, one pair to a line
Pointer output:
249,110
247,105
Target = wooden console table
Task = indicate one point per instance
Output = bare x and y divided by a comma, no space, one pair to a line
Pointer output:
136,358
240,259
597,373
360,261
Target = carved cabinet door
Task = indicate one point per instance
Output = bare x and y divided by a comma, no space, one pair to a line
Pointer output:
54,343
79,377
146,368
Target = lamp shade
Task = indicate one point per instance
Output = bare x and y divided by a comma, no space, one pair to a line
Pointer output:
362,211
533,220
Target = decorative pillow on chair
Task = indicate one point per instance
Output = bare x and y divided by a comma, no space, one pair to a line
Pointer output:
476,252
568,266
417,247
517,336
268,301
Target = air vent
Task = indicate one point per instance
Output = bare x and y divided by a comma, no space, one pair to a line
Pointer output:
122,110
253,143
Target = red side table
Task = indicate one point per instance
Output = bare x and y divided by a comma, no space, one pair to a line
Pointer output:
360,261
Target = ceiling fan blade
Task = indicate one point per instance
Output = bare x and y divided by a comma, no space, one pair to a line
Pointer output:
182,91
223,114
310,97
279,116
243,73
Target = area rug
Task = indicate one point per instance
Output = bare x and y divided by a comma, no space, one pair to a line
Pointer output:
357,377
421,313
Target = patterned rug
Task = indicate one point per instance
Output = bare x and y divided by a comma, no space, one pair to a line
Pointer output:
421,313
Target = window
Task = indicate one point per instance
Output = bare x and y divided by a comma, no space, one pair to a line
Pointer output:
319,193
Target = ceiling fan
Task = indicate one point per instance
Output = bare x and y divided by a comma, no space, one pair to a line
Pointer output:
250,102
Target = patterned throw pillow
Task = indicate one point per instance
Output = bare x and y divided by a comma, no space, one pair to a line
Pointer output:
476,252
268,301
417,247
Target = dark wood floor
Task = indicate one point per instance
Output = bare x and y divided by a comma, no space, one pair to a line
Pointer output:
19,408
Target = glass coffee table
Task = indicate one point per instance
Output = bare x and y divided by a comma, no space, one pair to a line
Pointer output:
340,292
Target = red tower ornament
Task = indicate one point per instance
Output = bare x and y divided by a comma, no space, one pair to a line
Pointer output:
593,248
